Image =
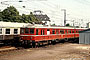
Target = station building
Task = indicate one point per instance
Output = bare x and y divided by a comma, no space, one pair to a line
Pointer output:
88,25
84,36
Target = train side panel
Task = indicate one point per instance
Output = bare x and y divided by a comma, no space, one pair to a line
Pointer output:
50,34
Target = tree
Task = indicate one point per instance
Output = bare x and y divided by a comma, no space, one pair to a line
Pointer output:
10,14
53,24
68,24
1,19
24,18
33,18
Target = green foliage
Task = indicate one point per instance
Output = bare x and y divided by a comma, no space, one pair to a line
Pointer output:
53,25
1,19
10,14
67,24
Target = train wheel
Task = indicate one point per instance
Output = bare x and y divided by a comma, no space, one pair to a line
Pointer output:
28,43
33,44
49,42
38,44
42,44
25,43
66,39
53,42
22,43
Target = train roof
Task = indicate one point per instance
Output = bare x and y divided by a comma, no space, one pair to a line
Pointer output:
12,24
53,27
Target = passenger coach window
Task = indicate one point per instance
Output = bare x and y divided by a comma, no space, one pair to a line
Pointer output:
36,31
26,30
15,31
31,31
0,31
62,31
7,31
22,31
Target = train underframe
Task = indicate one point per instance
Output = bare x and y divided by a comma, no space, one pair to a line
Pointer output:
34,44
8,39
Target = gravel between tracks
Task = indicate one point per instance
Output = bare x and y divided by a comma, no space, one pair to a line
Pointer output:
62,51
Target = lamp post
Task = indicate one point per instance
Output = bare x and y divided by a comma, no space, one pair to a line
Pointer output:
64,16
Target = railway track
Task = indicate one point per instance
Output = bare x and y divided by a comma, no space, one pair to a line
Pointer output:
13,48
9,48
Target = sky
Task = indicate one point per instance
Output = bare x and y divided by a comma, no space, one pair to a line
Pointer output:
77,10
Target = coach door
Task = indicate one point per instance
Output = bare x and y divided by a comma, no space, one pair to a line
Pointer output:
48,32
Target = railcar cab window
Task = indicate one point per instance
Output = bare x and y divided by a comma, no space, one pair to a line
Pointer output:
15,31
57,31
27,31
53,31
61,31
32,31
0,31
65,31
36,31
22,31
76,31
69,31
7,31
43,32
72,31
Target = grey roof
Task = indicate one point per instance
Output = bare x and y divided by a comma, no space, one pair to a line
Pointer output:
42,17
38,11
13,24
86,30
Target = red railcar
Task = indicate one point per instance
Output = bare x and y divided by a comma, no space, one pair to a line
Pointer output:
35,34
